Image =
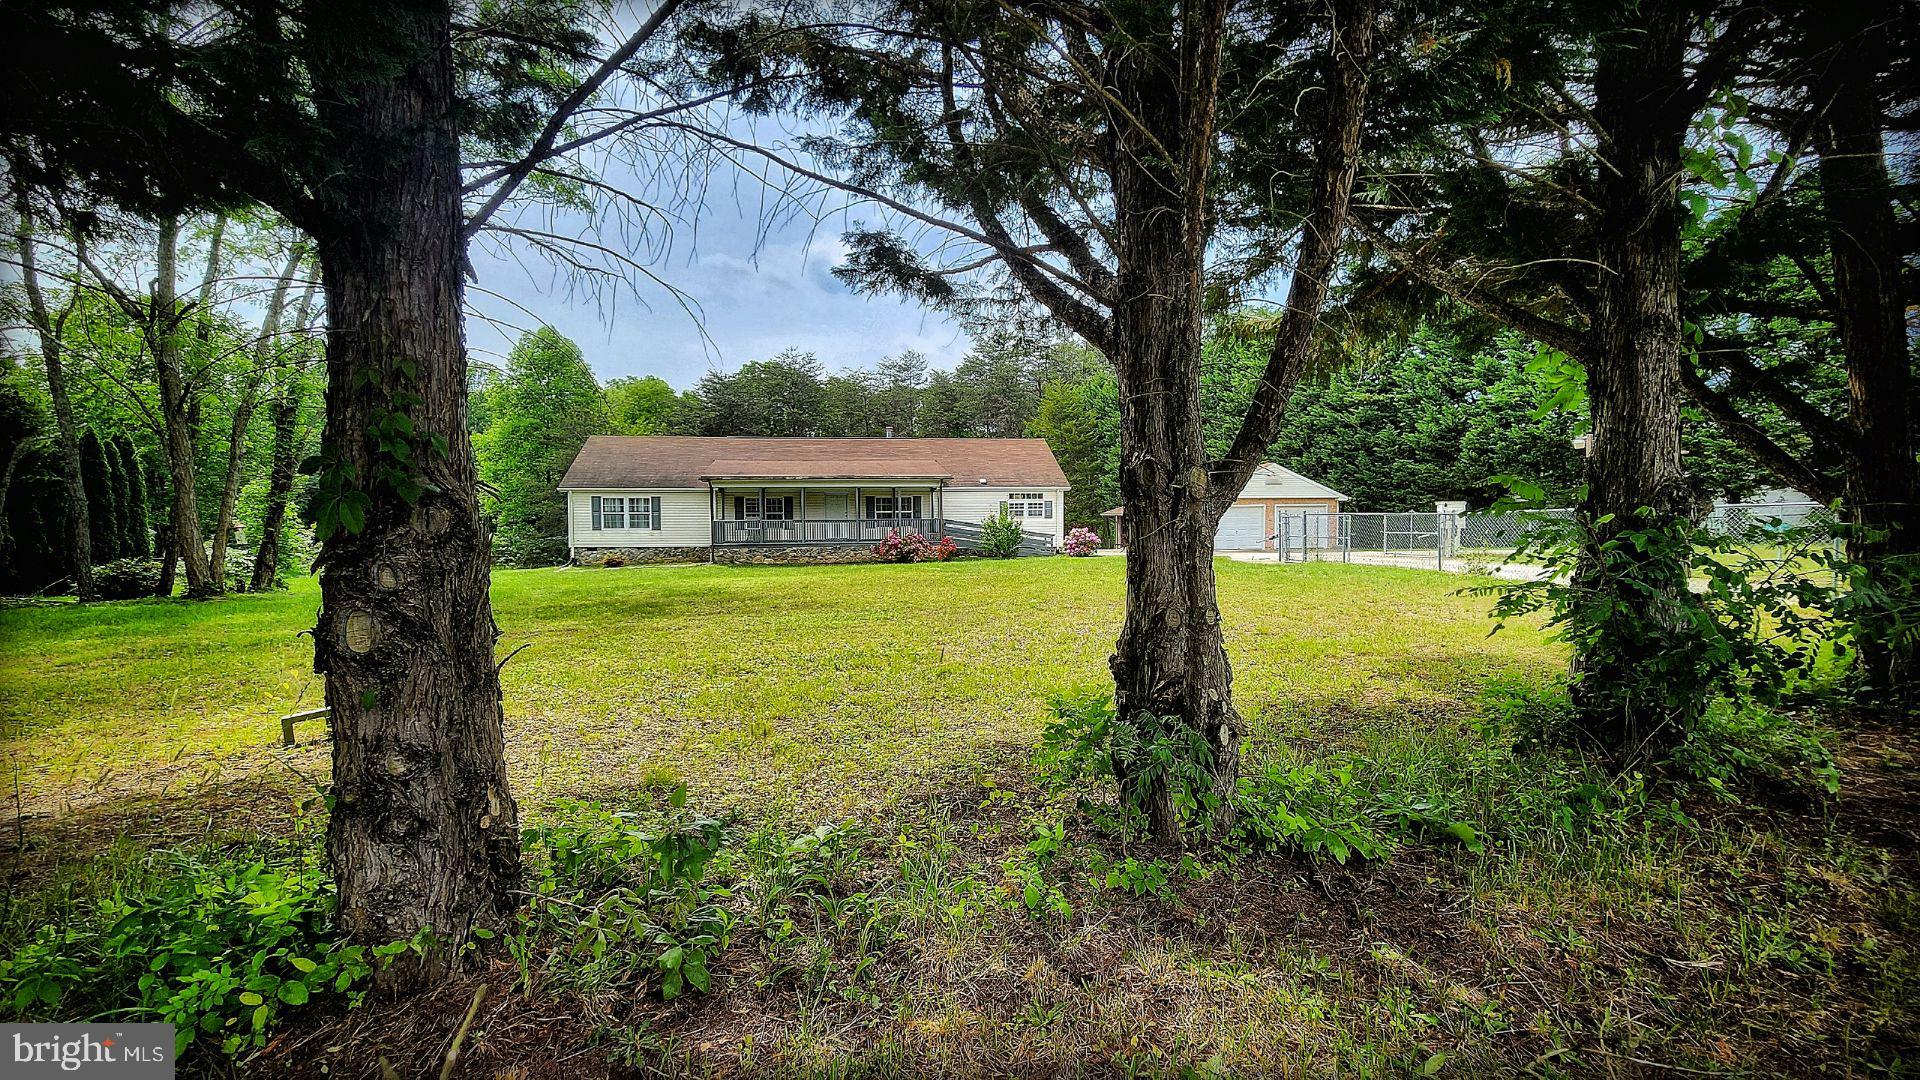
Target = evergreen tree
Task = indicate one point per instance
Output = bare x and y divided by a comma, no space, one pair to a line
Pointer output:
137,539
102,517
119,492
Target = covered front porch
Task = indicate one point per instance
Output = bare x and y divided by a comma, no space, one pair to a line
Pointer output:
747,512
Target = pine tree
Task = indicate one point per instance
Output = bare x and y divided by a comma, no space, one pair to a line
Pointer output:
103,520
118,493
137,535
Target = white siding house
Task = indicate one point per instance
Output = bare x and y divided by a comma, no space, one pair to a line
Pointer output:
683,496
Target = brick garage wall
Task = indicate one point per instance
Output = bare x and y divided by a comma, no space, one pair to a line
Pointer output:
639,556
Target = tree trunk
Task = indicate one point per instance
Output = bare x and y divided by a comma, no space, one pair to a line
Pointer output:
1170,670
1882,491
1634,389
266,558
424,835
48,327
243,409
163,340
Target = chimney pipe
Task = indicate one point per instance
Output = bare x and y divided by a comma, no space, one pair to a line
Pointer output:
889,431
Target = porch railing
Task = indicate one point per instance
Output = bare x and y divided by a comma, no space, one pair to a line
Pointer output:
820,531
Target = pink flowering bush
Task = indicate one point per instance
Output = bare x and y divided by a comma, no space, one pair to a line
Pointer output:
913,547
1081,542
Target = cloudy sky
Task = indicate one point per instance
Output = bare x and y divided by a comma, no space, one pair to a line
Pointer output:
754,283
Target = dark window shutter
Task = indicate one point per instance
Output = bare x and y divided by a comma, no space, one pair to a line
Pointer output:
1047,510
656,512
596,512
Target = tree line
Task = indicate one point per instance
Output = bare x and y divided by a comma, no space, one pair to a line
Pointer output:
1443,413
155,425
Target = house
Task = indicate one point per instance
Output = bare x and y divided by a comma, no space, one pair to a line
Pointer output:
673,498
1276,502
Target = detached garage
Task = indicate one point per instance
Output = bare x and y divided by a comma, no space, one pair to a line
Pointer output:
1254,520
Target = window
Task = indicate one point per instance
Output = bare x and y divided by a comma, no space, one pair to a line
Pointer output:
1029,504
623,512
778,508
884,507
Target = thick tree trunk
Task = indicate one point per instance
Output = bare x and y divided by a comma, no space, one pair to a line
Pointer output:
1170,670
163,339
78,528
1634,388
243,410
424,835
1882,490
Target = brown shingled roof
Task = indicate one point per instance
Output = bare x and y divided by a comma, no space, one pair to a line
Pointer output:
677,461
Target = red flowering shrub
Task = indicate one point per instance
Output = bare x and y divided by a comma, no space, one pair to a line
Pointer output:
1082,541
913,547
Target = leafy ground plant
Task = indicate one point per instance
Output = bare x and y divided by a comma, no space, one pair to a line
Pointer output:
220,943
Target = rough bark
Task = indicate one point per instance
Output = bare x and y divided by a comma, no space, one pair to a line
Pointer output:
244,406
1170,667
1633,380
48,327
1882,490
163,340
423,836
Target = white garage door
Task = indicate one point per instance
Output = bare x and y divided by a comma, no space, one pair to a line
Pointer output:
1243,528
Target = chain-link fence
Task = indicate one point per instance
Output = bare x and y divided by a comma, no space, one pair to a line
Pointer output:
1486,540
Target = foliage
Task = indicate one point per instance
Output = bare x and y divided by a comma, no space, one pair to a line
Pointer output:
126,579
913,547
1753,631
1081,542
641,405
1000,536
544,407
1742,742
1086,741
621,896
220,944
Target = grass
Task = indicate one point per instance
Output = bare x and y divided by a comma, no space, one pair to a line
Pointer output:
835,688
1601,927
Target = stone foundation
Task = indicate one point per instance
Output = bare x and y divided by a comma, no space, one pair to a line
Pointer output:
648,556
798,555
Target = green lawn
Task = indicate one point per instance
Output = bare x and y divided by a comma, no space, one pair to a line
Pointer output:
1591,926
834,688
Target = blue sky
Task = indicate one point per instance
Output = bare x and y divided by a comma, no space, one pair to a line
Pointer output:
758,287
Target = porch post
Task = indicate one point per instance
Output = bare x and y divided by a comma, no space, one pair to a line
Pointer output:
859,530
803,513
896,508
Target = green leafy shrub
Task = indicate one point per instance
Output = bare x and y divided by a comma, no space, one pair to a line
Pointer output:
220,944
1310,810
126,579
1617,592
1085,741
1000,536
619,895
1740,742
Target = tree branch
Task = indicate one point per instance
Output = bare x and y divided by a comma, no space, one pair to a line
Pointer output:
1337,164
